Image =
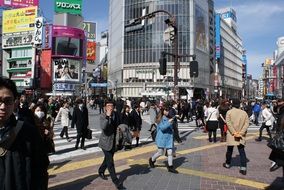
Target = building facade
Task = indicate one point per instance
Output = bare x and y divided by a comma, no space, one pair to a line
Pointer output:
134,51
229,55
279,67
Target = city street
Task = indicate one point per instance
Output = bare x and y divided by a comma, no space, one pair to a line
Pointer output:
198,162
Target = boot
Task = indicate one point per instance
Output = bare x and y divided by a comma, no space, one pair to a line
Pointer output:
137,141
151,163
172,170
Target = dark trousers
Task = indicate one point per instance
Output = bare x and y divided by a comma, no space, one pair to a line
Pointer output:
256,115
242,153
214,135
80,134
185,114
263,126
108,163
64,132
176,133
101,109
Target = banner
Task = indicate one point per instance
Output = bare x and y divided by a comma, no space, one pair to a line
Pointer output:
19,3
66,70
18,39
91,51
19,20
45,69
68,6
38,31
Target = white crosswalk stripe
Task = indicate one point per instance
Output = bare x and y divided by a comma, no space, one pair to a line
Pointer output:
66,150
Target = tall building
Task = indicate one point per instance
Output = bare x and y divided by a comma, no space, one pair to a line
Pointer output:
229,54
134,51
279,69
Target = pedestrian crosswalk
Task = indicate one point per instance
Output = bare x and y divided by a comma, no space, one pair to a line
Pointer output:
65,150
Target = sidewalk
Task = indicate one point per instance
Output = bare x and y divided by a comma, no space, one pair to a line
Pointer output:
199,164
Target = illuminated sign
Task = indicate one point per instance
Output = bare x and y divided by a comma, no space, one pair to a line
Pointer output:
18,3
90,30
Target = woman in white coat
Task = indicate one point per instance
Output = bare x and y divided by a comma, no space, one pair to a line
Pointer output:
64,115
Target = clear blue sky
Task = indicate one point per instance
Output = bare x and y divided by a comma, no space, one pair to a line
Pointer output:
259,22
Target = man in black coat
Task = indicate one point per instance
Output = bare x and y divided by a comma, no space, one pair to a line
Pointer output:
23,162
81,119
109,122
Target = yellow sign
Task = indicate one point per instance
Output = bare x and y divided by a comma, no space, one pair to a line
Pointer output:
19,20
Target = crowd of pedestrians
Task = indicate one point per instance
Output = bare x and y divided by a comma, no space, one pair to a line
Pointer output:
26,130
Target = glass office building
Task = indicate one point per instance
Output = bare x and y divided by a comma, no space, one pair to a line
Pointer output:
134,51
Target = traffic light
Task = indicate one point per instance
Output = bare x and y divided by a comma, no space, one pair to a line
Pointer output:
163,65
193,69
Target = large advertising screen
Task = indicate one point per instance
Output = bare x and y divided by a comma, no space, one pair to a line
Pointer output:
67,41
66,70
201,22
90,30
19,20
19,3
68,6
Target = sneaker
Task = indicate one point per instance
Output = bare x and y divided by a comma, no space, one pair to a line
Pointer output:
151,163
274,167
225,165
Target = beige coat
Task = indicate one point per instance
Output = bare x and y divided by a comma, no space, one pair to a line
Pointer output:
237,121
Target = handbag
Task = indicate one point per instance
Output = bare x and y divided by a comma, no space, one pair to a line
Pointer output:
225,128
89,134
277,142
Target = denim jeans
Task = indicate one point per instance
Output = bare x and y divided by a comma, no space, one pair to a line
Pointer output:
242,153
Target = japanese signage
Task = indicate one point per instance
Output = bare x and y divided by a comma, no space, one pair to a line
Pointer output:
66,70
64,87
19,20
68,6
91,51
18,3
38,31
17,39
45,66
90,30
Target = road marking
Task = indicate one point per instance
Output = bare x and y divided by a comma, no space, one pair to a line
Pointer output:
125,155
206,136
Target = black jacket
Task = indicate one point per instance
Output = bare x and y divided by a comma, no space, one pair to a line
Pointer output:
80,118
136,120
24,166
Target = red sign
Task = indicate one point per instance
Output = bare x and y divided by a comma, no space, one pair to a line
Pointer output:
18,3
45,69
91,51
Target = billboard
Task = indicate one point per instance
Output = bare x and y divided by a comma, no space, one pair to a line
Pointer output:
67,41
68,6
201,24
90,30
19,20
18,39
45,69
91,51
19,3
65,70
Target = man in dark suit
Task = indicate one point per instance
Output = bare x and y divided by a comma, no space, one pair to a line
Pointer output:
81,119
109,122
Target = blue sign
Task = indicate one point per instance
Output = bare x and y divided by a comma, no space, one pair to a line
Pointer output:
64,87
218,36
99,85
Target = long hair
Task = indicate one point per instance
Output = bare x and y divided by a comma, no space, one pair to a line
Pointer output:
160,115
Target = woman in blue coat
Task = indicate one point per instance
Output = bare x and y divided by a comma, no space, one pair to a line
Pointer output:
164,139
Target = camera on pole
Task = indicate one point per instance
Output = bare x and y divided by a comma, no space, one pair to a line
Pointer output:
163,64
193,66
